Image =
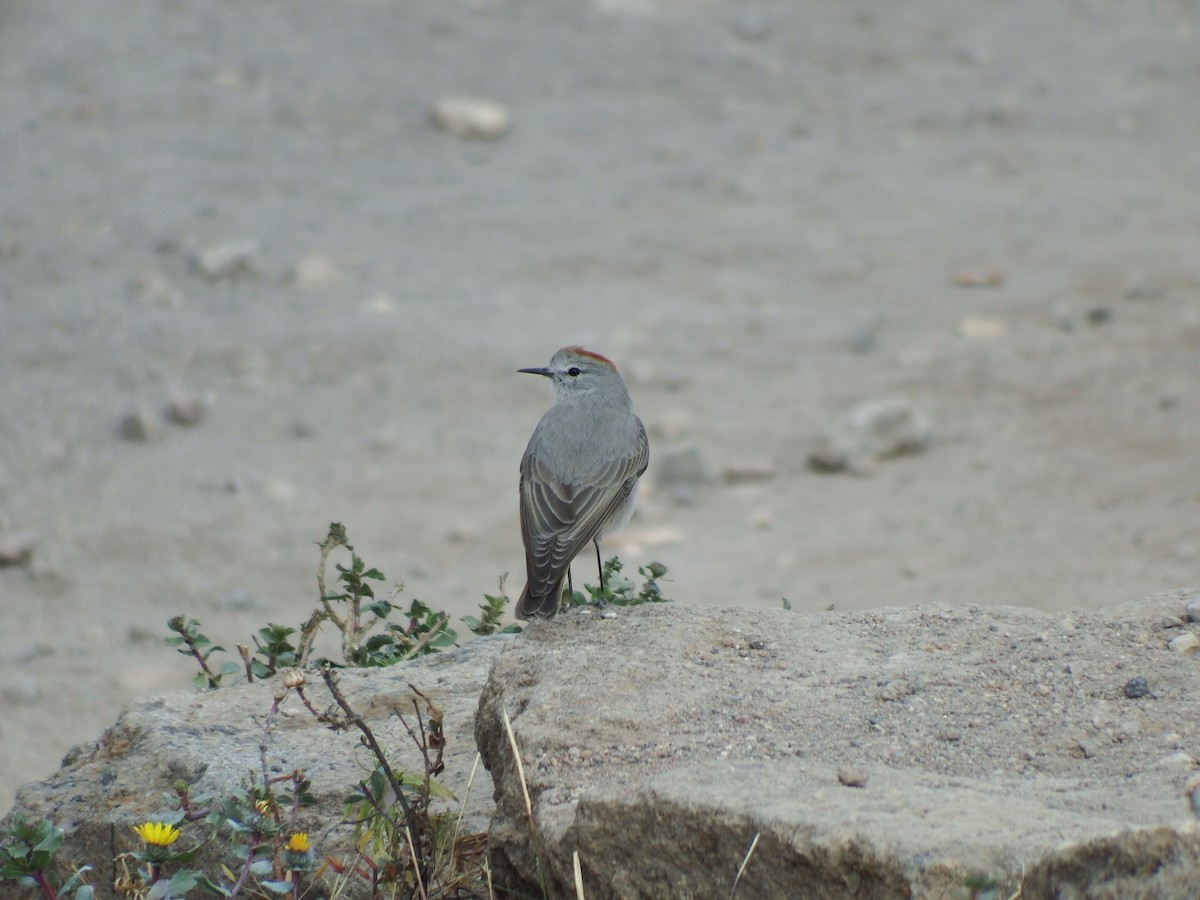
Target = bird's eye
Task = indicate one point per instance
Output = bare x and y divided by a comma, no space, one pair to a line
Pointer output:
573,371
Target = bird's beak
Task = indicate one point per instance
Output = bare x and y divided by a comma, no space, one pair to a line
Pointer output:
540,370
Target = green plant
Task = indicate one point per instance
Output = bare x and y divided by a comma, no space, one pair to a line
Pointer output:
492,612
618,590
26,856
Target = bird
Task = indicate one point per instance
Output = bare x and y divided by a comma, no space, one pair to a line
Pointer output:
579,473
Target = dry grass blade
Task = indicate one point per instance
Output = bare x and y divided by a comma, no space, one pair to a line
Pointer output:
417,869
745,862
578,875
512,741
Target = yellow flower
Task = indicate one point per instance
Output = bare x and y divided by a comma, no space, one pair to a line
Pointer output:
157,834
298,843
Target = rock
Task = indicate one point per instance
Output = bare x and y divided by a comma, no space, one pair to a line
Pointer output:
187,407
1185,643
1192,607
153,287
724,743
853,777
210,740
1137,687
869,433
671,426
975,277
683,464
22,689
762,519
317,272
731,723
139,425
16,549
226,261
748,470
470,117
982,328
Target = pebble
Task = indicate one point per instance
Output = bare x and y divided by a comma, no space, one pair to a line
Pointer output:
187,407
470,117
745,471
153,287
317,272
869,433
239,599
1185,643
977,276
1192,607
852,776
22,689
671,426
982,328
140,426
231,259
681,465
17,549
762,519
1137,687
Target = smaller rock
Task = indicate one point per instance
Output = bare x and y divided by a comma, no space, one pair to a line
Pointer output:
17,549
870,432
232,259
750,26
470,117
982,328
317,272
1086,747
1192,607
1192,790
186,407
977,276
139,426
762,520
1185,643
681,465
22,689
1137,687
864,340
749,470
674,425
153,287
853,776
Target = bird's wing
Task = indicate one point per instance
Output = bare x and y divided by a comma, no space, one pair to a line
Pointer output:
559,518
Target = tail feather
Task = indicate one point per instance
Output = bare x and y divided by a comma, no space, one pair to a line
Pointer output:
543,605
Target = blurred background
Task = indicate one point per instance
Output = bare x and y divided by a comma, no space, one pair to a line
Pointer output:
262,268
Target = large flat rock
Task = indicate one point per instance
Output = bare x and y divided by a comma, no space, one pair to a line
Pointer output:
211,742
925,751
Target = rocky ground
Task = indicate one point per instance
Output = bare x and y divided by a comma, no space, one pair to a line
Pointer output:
248,287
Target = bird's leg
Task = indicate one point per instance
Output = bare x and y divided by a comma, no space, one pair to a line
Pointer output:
570,587
599,565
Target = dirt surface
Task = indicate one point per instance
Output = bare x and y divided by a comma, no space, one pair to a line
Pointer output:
764,214
897,750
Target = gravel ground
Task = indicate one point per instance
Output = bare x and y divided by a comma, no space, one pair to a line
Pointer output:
243,214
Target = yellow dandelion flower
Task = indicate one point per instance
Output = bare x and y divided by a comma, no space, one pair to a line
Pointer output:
298,843
157,834
262,806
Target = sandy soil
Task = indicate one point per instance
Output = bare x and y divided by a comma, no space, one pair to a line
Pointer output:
763,213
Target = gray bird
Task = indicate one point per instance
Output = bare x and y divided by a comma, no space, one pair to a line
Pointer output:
579,474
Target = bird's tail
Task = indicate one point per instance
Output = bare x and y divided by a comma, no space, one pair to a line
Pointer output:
540,605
